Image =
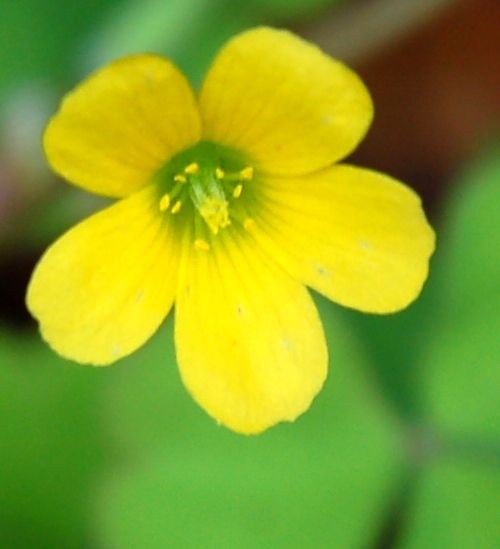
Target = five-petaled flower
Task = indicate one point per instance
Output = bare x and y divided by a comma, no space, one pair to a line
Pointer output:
229,205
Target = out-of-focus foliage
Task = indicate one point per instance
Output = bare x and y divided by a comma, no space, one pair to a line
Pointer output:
455,505
458,375
460,366
38,39
52,445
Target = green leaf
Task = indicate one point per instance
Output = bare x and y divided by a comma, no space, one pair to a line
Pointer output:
51,448
394,344
470,254
460,378
39,38
325,480
456,506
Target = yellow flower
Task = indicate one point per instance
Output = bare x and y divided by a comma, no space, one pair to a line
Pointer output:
229,205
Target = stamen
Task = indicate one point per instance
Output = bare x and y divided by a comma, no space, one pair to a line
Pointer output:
176,207
180,178
192,168
246,173
164,202
219,173
237,190
201,245
249,224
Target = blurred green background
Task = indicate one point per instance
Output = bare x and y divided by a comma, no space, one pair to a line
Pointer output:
402,447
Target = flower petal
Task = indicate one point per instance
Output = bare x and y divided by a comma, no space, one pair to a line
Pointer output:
284,102
103,288
357,236
122,124
249,342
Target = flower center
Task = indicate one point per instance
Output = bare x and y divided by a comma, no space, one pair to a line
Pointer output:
207,184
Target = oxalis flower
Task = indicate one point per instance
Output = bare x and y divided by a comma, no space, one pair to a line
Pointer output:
229,204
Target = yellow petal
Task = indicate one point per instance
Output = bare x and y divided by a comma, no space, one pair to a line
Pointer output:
359,237
284,102
103,288
121,124
250,346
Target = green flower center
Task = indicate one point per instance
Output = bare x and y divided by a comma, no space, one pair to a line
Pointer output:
207,183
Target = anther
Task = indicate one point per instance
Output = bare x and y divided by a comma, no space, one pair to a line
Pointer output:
219,173
237,190
192,168
176,207
180,178
164,202
201,245
246,173
249,224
